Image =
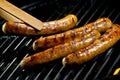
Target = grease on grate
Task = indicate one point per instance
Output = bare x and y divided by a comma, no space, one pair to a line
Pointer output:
117,71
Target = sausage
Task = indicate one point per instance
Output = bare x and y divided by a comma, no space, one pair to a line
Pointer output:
49,27
101,25
60,50
107,40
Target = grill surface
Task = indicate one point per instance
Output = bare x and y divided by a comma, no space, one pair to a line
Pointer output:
14,48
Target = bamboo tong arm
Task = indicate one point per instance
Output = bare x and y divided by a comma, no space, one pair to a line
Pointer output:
8,16
10,12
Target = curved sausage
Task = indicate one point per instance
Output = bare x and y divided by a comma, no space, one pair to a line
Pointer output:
101,25
59,50
48,27
99,46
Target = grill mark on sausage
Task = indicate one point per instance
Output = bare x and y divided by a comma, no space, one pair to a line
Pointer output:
60,50
105,23
74,54
56,26
16,28
86,50
84,29
52,51
108,39
73,19
110,36
83,39
63,47
55,39
95,24
47,27
102,39
74,44
93,35
65,23
63,37
45,41
73,34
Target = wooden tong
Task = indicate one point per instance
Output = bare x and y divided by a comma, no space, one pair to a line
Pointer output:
10,12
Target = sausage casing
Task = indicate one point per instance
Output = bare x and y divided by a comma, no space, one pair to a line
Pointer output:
49,27
101,25
99,46
60,50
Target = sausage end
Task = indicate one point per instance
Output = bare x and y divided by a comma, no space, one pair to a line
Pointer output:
22,63
64,62
25,62
34,46
4,28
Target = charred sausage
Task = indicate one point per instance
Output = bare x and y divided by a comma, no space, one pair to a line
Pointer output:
99,46
101,25
49,27
60,50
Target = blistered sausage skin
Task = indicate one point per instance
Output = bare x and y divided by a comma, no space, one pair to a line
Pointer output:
101,25
59,51
49,27
99,46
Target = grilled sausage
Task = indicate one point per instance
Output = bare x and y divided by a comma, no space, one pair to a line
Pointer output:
99,46
60,50
49,27
101,25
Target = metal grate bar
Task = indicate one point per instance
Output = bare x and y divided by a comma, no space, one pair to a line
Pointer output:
19,43
3,41
50,72
58,74
88,11
3,74
113,65
12,43
89,72
1,63
30,76
112,11
11,74
79,72
116,17
102,67
97,9
104,11
37,77
68,75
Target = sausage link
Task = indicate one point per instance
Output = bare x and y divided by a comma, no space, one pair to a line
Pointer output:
60,50
99,46
49,27
101,25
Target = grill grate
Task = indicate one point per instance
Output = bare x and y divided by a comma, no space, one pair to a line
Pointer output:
14,48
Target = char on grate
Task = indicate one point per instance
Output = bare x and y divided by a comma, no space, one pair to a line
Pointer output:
13,48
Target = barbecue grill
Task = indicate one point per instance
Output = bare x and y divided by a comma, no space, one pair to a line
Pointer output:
13,48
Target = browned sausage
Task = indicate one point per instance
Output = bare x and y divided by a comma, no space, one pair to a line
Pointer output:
60,50
99,46
48,27
101,25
